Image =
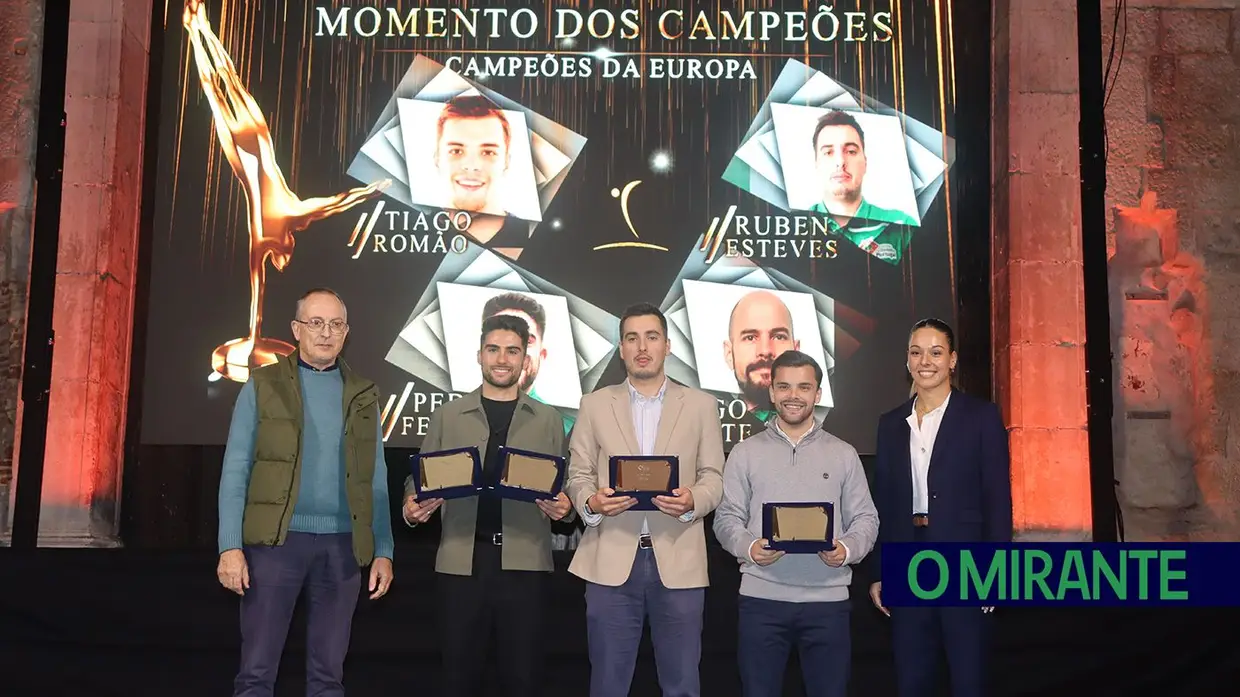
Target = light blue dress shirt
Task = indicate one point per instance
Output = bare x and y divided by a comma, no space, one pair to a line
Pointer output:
646,412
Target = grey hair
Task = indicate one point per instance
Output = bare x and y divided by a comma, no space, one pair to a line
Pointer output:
320,291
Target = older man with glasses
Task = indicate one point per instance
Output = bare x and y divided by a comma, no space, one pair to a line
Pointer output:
303,502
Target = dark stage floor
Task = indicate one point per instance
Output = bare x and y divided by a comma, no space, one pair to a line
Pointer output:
125,623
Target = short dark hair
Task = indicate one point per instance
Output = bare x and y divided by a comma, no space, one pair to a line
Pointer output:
642,310
521,303
937,325
795,359
837,118
505,323
472,106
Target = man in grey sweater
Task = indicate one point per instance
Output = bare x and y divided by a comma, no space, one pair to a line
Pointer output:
799,599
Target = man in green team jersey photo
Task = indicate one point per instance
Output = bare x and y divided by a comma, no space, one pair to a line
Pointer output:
840,160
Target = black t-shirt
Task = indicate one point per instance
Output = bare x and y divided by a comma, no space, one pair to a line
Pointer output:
490,505
513,233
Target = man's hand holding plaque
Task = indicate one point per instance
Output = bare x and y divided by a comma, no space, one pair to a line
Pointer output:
802,528
836,556
418,512
556,508
606,502
535,478
446,474
646,478
762,554
677,505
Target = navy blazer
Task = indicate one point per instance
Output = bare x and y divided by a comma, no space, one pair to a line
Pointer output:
969,481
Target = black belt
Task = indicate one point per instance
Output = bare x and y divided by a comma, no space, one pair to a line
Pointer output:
496,539
643,542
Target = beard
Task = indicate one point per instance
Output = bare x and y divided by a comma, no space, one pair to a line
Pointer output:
806,414
527,380
644,373
757,394
649,371
505,383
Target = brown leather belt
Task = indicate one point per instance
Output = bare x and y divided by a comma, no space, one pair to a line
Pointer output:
921,520
643,542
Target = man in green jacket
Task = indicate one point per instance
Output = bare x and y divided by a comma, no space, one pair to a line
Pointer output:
494,558
303,502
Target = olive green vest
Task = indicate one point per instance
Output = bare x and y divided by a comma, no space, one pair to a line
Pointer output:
276,476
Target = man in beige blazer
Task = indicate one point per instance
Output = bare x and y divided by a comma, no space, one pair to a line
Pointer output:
494,554
639,563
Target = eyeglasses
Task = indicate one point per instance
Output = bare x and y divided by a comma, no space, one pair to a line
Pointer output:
317,325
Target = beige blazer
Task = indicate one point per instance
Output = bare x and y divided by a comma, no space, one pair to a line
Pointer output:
688,428
527,530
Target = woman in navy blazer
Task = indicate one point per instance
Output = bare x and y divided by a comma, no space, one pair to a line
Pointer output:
942,475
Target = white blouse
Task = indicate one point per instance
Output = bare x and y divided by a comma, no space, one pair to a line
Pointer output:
921,446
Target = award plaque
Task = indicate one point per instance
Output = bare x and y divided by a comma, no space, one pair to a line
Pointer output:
529,476
447,474
799,528
644,477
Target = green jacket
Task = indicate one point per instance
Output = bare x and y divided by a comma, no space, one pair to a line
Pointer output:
276,475
527,530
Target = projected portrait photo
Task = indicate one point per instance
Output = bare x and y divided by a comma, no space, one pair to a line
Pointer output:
739,331
551,377
856,175
846,164
819,146
452,144
469,155
571,340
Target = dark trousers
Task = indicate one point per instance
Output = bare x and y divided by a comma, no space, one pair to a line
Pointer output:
920,634
509,606
615,617
768,629
324,566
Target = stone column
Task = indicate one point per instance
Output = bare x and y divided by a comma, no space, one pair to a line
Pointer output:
1038,305
105,102
21,45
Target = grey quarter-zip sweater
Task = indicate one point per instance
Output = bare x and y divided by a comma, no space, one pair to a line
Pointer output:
769,468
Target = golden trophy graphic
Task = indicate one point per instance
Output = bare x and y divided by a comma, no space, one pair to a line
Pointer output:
275,213
623,195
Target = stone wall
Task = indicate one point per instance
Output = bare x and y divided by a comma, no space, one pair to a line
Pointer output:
105,98
105,103
1038,329
21,40
1172,123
